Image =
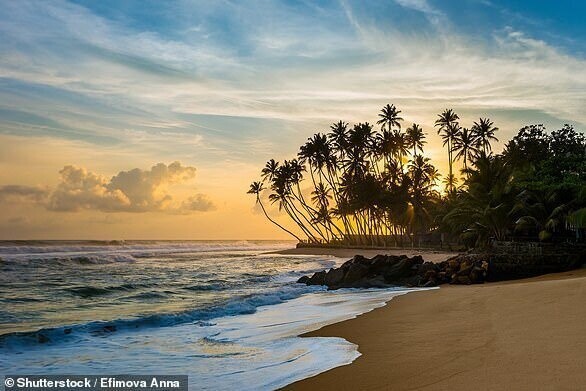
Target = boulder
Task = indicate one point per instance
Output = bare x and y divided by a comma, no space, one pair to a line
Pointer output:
386,270
334,277
379,271
318,278
398,271
356,272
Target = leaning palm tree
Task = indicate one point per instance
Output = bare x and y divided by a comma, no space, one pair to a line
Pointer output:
256,188
416,138
389,117
484,130
448,129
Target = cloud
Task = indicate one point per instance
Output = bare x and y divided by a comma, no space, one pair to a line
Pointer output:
214,63
198,203
437,18
135,190
19,193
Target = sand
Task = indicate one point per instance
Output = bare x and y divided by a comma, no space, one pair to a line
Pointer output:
522,335
428,255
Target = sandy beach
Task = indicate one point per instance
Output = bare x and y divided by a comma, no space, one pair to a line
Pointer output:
428,255
519,335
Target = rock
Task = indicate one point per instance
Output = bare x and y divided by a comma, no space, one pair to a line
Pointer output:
454,264
427,266
477,275
385,270
462,280
355,272
109,328
399,270
318,278
334,277
67,331
464,271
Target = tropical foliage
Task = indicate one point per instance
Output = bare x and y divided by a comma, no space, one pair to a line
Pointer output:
372,185
534,190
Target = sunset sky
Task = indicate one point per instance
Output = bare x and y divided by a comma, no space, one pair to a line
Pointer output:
149,119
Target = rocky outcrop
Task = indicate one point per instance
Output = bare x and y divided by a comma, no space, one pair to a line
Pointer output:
389,270
510,267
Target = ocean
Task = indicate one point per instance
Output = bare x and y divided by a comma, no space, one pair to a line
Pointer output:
226,313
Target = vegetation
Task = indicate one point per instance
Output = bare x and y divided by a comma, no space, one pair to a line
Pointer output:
357,185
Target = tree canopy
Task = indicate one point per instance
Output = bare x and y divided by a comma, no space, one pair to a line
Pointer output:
363,185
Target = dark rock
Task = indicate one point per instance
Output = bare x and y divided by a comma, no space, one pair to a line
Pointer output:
477,275
303,280
462,280
401,269
427,266
334,277
109,328
318,278
355,272
414,281
67,331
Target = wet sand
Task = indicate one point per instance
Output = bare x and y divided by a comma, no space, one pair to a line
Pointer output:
520,335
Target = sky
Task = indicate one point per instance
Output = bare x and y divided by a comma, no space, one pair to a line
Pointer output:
148,120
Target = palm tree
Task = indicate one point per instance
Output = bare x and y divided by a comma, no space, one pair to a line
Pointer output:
448,129
389,117
385,142
450,181
270,170
321,196
466,146
338,136
401,145
416,138
256,188
484,131
422,175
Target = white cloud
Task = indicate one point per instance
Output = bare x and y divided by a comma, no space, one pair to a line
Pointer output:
298,71
437,18
135,190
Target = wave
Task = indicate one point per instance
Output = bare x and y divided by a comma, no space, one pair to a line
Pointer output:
246,304
87,291
41,247
217,285
90,259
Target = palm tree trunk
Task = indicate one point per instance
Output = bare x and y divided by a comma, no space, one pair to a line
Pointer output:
294,217
273,221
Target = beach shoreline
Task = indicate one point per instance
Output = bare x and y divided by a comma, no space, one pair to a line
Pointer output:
523,334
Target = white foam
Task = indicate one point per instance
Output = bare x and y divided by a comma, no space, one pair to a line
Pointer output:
8,252
246,352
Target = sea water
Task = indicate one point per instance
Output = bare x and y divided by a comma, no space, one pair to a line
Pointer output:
228,314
